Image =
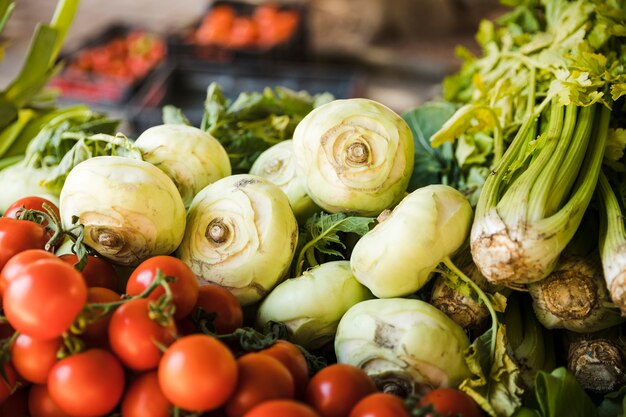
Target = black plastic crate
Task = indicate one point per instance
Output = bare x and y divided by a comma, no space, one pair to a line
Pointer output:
295,48
185,86
97,88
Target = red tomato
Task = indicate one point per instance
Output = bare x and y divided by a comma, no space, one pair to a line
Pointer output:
218,300
31,203
97,271
261,378
17,236
144,398
132,335
87,384
16,405
198,372
380,405
289,355
45,298
33,358
18,262
282,408
334,390
41,405
96,334
450,402
184,288
6,389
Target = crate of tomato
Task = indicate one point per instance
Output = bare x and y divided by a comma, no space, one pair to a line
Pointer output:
109,69
233,30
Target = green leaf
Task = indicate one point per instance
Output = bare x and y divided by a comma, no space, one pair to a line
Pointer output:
429,164
9,135
172,115
613,404
469,118
6,9
61,22
615,145
321,231
559,394
494,384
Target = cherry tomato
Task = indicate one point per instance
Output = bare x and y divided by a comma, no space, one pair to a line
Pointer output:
450,402
7,388
184,288
41,405
16,405
228,313
31,203
334,390
282,408
198,372
17,236
261,378
380,405
89,383
96,333
33,358
97,271
18,262
45,298
132,335
292,358
144,398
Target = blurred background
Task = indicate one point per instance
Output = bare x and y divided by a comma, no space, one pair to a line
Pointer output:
130,58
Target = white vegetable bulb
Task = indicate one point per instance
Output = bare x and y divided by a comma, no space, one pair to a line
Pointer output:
130,209
397,257
278,165
241,234
355,156
191,157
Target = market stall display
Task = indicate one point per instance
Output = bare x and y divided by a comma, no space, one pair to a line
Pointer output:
286,252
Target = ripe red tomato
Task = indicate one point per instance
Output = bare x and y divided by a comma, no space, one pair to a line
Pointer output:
89,383
43,300
450,402
198,372
228,313
17,236
33,358
7,388
16,405
18,262
380,405
282,408
97,271
292,358
31,203
144,398
41,405
96,333
261,378
184,288
132,335
334,390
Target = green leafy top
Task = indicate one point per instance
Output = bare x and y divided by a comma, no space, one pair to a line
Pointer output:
254,121
322,234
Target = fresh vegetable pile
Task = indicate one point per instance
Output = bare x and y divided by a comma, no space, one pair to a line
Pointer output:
301,256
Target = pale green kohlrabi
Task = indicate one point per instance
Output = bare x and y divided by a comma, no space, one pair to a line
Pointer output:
278,165
19,180
355,156
402,342
191,157
397,257
312,304
129,208
241,234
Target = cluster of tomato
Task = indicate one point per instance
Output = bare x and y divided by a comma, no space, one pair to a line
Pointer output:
74,346
127,57
265,27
